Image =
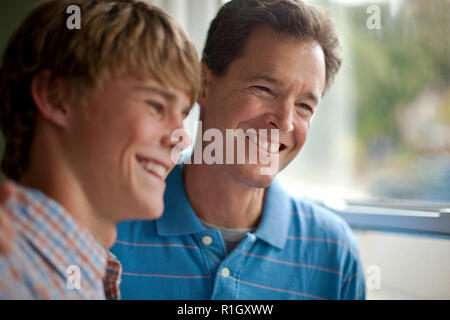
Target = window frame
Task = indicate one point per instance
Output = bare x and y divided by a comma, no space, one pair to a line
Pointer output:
424,218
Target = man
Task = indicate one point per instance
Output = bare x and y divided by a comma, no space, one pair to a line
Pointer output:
228,231
87,116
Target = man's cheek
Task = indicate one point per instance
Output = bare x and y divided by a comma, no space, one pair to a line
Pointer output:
300,135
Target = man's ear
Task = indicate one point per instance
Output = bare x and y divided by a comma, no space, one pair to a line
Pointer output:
206,84
48,96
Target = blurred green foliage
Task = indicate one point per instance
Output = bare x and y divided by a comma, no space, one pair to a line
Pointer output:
393,65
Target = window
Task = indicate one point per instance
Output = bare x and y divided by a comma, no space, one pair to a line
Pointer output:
380,139
378,151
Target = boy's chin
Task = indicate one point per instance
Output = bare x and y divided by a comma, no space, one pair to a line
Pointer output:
149,210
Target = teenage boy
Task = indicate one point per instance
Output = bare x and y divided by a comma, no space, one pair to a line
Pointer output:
87,116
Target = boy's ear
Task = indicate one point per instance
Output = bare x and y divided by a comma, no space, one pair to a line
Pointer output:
48,96
207,77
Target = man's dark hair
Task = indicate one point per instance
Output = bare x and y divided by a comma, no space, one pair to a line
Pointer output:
230,29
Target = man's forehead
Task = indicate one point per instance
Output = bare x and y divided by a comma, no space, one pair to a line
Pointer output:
285,57
267,45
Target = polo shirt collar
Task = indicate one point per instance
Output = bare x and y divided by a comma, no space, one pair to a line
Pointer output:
274,225
178,218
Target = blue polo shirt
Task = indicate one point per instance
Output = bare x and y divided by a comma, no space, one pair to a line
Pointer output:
299,251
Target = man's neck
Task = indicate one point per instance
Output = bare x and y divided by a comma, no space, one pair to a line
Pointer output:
219,199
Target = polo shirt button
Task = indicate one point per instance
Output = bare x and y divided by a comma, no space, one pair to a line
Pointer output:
207,240
225,272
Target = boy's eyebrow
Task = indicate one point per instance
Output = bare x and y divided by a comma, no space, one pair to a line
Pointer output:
166,94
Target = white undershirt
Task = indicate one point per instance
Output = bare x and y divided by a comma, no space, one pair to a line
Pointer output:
231,236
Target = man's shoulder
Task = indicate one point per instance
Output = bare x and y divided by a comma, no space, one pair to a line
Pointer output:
321,222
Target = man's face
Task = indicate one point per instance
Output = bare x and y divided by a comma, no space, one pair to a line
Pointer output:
276,84
121,149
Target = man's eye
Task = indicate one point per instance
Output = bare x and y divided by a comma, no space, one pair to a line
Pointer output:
305,110
305,106
261,88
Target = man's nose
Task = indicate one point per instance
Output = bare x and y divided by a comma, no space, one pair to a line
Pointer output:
281,117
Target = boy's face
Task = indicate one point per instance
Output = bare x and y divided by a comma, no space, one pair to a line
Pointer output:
120,149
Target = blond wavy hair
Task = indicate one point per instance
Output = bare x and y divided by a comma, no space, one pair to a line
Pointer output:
116,37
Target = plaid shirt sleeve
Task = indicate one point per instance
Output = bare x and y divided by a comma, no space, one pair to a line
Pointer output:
111,281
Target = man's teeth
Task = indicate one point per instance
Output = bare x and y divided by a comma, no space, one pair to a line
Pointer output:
270,147
154,167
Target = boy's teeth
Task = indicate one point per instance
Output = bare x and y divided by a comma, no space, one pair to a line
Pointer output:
155,168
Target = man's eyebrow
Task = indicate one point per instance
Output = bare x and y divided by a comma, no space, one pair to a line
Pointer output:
313,97
270,79
264,77
166,94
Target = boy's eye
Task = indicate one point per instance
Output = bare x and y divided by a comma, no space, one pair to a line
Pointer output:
186,113
156,106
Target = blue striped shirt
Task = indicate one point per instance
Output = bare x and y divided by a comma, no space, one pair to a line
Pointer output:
299,251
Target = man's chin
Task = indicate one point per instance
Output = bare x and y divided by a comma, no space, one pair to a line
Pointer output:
256,176
263,181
